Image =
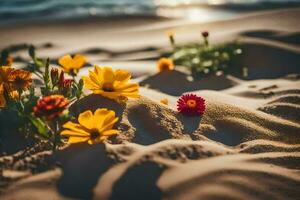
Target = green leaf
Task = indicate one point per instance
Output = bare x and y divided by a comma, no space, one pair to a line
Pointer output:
31,52
4,56
41,127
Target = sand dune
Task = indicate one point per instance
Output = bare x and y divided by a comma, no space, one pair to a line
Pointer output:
235,151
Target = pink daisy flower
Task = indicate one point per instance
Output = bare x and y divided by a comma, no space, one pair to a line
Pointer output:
191,104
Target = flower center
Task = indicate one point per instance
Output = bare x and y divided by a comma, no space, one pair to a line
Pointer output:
108,87
19,82
191,103
165,66
94,135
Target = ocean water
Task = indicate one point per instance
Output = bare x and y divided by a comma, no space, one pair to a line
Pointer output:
12,11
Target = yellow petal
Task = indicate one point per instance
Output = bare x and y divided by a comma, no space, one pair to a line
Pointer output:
108,124
73,133
79,61
86,119
66,61
111,132
108,75
122,75
111,95
73,140
75,128
130,87
97,70
101,115
89,84
96,78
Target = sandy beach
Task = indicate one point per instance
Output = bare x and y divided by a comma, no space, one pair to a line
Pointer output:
245,146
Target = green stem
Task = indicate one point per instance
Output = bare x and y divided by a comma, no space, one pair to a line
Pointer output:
206,42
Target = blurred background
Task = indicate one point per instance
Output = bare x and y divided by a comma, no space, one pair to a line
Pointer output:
12,11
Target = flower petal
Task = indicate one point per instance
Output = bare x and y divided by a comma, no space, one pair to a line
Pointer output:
102,115
79,61
76,129
122,75
73,140
86,119
110,132
108,75
89,84
130,87
2,99
66,61
108,124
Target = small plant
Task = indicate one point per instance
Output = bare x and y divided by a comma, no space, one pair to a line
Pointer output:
36,110
41,111
191,105
203,58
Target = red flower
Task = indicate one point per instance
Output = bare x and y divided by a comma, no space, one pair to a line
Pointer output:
51,106
191,104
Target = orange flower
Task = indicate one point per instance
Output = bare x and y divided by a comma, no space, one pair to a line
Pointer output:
2,98
165,64
51,106
19,79
4,72
72,64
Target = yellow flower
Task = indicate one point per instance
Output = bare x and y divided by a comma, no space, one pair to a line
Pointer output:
72,64
164,101
2,98
19,79
165,64
111,84
92,128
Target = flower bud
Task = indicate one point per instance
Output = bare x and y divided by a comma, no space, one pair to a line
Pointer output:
54,73
171,38
205,34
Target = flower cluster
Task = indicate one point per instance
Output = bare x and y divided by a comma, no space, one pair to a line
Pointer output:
46,112
204,58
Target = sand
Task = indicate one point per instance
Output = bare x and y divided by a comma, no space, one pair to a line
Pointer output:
245,146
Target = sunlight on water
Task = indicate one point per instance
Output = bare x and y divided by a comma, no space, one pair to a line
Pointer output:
190,2
214,2
38,10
